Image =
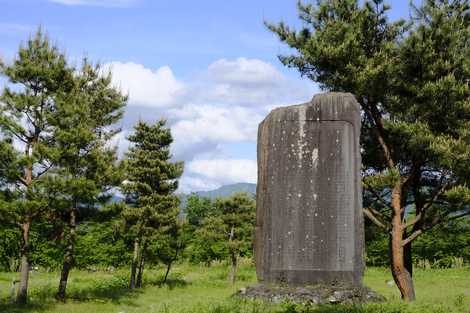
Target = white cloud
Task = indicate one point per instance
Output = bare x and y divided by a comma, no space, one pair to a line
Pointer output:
220,106
242,82
188,184
201,129
100,3
251,83
146,87
244,72
209,122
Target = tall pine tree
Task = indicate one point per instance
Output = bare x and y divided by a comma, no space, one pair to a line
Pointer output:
86,165
37,77
151,179
412,82
228,230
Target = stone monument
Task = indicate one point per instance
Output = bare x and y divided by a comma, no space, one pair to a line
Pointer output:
309,224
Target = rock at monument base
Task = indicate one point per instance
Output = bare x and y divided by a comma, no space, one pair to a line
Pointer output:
317,294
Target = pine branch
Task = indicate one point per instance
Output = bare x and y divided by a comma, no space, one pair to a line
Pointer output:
375,219
375,118
436,195
412,237
435,222
377,196
415,220
46,168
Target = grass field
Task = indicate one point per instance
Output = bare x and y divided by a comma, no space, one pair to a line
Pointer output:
201,289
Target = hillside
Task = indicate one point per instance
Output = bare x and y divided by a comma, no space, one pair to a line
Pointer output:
228,190
222,192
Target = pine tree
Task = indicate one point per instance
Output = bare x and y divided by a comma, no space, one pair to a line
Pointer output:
168,247
197,208
209,242
411,80
86,166
151,179
230,228
201,249
40,74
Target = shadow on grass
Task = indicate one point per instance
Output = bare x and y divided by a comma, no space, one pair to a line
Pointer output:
174,280
115,289
13,308
172,283
42,299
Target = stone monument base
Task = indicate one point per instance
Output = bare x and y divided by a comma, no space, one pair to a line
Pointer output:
316,294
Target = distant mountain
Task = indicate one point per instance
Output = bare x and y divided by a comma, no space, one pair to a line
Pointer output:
222,192
228,190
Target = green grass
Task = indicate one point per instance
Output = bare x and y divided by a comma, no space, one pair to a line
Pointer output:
201,289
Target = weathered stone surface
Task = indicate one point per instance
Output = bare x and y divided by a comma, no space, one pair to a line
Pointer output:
309,226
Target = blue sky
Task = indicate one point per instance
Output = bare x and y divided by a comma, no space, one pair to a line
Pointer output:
210,67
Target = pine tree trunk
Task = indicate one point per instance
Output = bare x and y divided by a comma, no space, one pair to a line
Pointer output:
408,254
233,272
22,295
140,272
68,257
134,263
168,267
233,256
400,273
